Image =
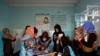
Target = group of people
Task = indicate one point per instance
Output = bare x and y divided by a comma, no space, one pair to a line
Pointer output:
85,42
30,43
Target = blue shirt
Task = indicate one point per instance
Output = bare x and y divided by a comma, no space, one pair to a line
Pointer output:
23,50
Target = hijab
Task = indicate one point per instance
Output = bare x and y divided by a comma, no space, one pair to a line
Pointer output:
79,33
30,31
80,29
88,26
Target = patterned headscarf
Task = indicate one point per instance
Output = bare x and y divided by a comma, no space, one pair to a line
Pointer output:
80,29
88,26
80,35
5,29
30,31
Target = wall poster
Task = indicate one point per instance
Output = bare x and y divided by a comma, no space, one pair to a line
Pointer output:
43,22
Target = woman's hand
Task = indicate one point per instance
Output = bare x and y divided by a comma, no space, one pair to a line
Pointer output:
55,37
43,48
52,54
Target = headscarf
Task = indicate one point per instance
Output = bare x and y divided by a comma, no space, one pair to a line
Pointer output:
30,31
5,29
80,29
45,34
88,26
80,35
58,27
6,35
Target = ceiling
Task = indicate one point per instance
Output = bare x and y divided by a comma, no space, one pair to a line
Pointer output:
42,3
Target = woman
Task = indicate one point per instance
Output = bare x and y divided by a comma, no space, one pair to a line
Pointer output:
27,44
57,35
90,41
77,40
8,41
44,41
91,45
68,49
79,33
24,32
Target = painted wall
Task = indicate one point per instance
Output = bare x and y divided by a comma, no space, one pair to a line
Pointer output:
81,6
4,14
1,44
4,21
20,17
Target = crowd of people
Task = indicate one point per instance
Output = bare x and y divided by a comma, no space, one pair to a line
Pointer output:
85,42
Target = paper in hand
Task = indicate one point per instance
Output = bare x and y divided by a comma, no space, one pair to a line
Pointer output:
60,35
